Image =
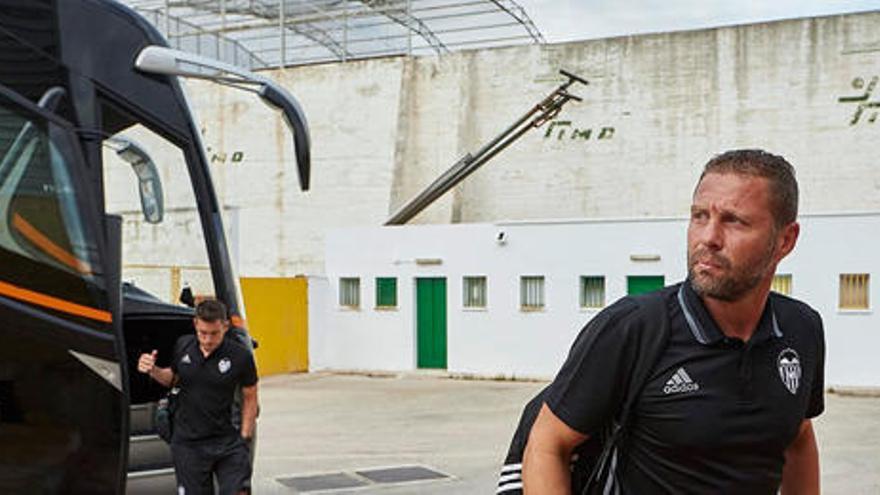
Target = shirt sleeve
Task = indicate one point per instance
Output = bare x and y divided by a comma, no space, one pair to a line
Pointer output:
591,385
817,392
249,372
177,351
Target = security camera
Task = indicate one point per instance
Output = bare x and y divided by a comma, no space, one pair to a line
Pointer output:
501,237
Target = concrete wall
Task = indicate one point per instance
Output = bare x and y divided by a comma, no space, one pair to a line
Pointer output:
657,107
504,340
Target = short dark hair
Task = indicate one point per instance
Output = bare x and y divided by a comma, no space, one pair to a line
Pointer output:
759,163
211,310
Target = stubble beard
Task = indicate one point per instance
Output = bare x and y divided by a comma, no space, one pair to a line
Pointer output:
740,280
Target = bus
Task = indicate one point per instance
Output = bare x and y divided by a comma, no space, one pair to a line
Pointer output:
107,213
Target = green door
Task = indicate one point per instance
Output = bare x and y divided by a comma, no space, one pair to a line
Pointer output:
639,284
431,322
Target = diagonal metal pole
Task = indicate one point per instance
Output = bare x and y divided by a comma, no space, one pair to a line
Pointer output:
537,116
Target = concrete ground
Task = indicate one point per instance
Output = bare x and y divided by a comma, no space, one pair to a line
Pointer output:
323,423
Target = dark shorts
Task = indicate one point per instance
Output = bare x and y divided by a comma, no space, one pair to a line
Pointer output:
196,464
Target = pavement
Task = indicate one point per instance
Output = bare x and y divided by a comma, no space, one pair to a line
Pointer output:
324,428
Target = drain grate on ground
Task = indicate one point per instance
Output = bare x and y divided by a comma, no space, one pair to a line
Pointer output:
361,478
332,481
401,474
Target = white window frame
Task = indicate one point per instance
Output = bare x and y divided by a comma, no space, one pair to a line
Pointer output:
482,292
582,292
782,281
350,298
532,292
848,284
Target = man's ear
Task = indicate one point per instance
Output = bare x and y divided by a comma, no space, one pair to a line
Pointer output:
787,239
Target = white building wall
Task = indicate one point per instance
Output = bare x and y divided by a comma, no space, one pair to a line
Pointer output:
503,340
658,105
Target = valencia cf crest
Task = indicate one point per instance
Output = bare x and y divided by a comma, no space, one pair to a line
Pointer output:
789,369
224,365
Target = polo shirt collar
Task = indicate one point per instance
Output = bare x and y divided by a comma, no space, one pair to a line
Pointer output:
703,326
215,352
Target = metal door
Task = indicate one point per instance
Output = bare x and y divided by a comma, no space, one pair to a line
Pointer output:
431,322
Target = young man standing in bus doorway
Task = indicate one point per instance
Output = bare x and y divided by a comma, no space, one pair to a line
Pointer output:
207,368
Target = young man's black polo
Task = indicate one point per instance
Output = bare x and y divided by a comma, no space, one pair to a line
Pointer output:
717,413
207,387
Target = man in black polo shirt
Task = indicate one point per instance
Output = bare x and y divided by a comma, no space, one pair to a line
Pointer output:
727,406
207,368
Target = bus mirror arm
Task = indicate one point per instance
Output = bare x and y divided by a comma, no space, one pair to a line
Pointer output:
163,60
277,97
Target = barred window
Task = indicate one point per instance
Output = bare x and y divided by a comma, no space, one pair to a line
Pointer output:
782,284
350,292
386,292
854,290
592,291
531,294
474,292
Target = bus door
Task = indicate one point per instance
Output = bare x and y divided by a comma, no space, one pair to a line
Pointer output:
63,406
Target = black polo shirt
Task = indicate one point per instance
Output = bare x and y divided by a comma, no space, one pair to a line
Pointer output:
207,387
716,413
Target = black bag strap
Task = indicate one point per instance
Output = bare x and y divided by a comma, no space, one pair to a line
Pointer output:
652,344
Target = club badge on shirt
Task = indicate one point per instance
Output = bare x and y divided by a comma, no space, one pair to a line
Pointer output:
185,359
789,369
224,365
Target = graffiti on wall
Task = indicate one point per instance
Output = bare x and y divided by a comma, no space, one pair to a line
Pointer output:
563,129
220,156
865,106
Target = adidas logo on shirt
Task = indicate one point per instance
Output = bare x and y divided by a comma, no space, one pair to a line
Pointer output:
680,383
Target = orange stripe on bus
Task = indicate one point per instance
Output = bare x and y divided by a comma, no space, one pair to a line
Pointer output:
55,303
54,250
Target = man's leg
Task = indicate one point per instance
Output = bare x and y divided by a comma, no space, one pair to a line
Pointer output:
233,468
192,468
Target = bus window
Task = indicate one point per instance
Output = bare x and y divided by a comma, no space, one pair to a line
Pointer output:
160,258
45,246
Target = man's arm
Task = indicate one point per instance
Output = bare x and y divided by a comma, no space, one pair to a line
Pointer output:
800,475
147,365
547,462
248,411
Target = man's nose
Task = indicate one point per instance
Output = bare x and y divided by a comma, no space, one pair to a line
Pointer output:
711,234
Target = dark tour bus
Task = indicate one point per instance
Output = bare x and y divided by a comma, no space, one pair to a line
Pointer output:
87,219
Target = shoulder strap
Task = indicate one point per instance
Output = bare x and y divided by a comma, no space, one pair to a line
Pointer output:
652,342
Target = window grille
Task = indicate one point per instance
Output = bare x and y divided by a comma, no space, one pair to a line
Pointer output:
532,292
592,292
474,292
350,292
854,290
782,284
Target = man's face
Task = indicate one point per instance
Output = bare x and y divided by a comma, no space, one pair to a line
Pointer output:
210,333
733,243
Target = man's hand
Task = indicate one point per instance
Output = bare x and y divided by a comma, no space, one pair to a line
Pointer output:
147,362
147,365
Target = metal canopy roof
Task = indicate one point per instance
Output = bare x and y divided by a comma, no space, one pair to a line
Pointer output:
274,33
